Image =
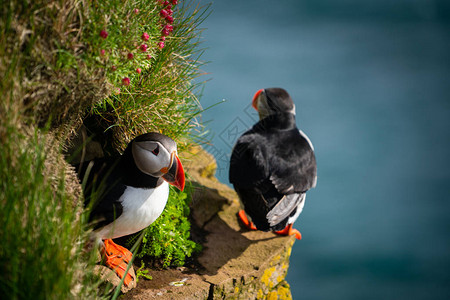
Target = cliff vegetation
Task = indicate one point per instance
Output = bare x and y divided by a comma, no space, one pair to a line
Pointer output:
74,75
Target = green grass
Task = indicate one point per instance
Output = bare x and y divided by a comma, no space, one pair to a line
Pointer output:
163,96
42,238
42,254
43,56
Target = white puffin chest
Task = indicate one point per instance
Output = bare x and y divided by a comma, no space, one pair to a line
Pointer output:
141,207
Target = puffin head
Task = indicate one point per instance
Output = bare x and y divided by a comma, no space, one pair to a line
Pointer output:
156,155
271,101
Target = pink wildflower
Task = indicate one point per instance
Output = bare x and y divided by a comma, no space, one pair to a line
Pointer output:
163,38
138,70
169,19
136,11
130,56
113,68
166,3
161,45
169,27
163,13
103,34
126,81
143,47
145,36
149,56
169,11
174,2
165,32
102,52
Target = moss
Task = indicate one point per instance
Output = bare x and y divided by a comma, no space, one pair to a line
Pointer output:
167,242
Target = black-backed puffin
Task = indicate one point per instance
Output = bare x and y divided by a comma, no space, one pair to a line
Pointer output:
129,192
273,165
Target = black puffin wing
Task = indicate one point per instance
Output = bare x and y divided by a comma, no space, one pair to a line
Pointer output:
100,191
248,163
107,208
284,208
293,164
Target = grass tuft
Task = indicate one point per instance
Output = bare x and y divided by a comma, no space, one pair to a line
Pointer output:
42,256
163,97
44,38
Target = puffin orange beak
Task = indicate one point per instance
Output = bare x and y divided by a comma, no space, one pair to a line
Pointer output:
255,99
175,175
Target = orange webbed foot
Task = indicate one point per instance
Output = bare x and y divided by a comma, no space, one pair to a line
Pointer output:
117,259
288,230
246,221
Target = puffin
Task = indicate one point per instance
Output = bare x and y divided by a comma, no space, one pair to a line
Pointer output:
127,193
272,166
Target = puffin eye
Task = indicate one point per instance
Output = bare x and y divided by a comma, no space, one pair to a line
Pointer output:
156,150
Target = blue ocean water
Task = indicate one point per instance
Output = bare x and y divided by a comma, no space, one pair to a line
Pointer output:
371,83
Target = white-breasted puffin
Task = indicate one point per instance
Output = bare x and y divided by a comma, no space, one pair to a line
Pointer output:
273,165
129,192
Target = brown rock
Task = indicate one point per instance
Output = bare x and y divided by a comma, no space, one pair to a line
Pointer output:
109,276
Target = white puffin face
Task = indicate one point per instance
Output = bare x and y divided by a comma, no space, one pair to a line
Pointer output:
152,158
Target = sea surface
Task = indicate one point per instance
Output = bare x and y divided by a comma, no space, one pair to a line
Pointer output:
371,84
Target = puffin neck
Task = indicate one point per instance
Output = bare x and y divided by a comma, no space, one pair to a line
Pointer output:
277,121
134,177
